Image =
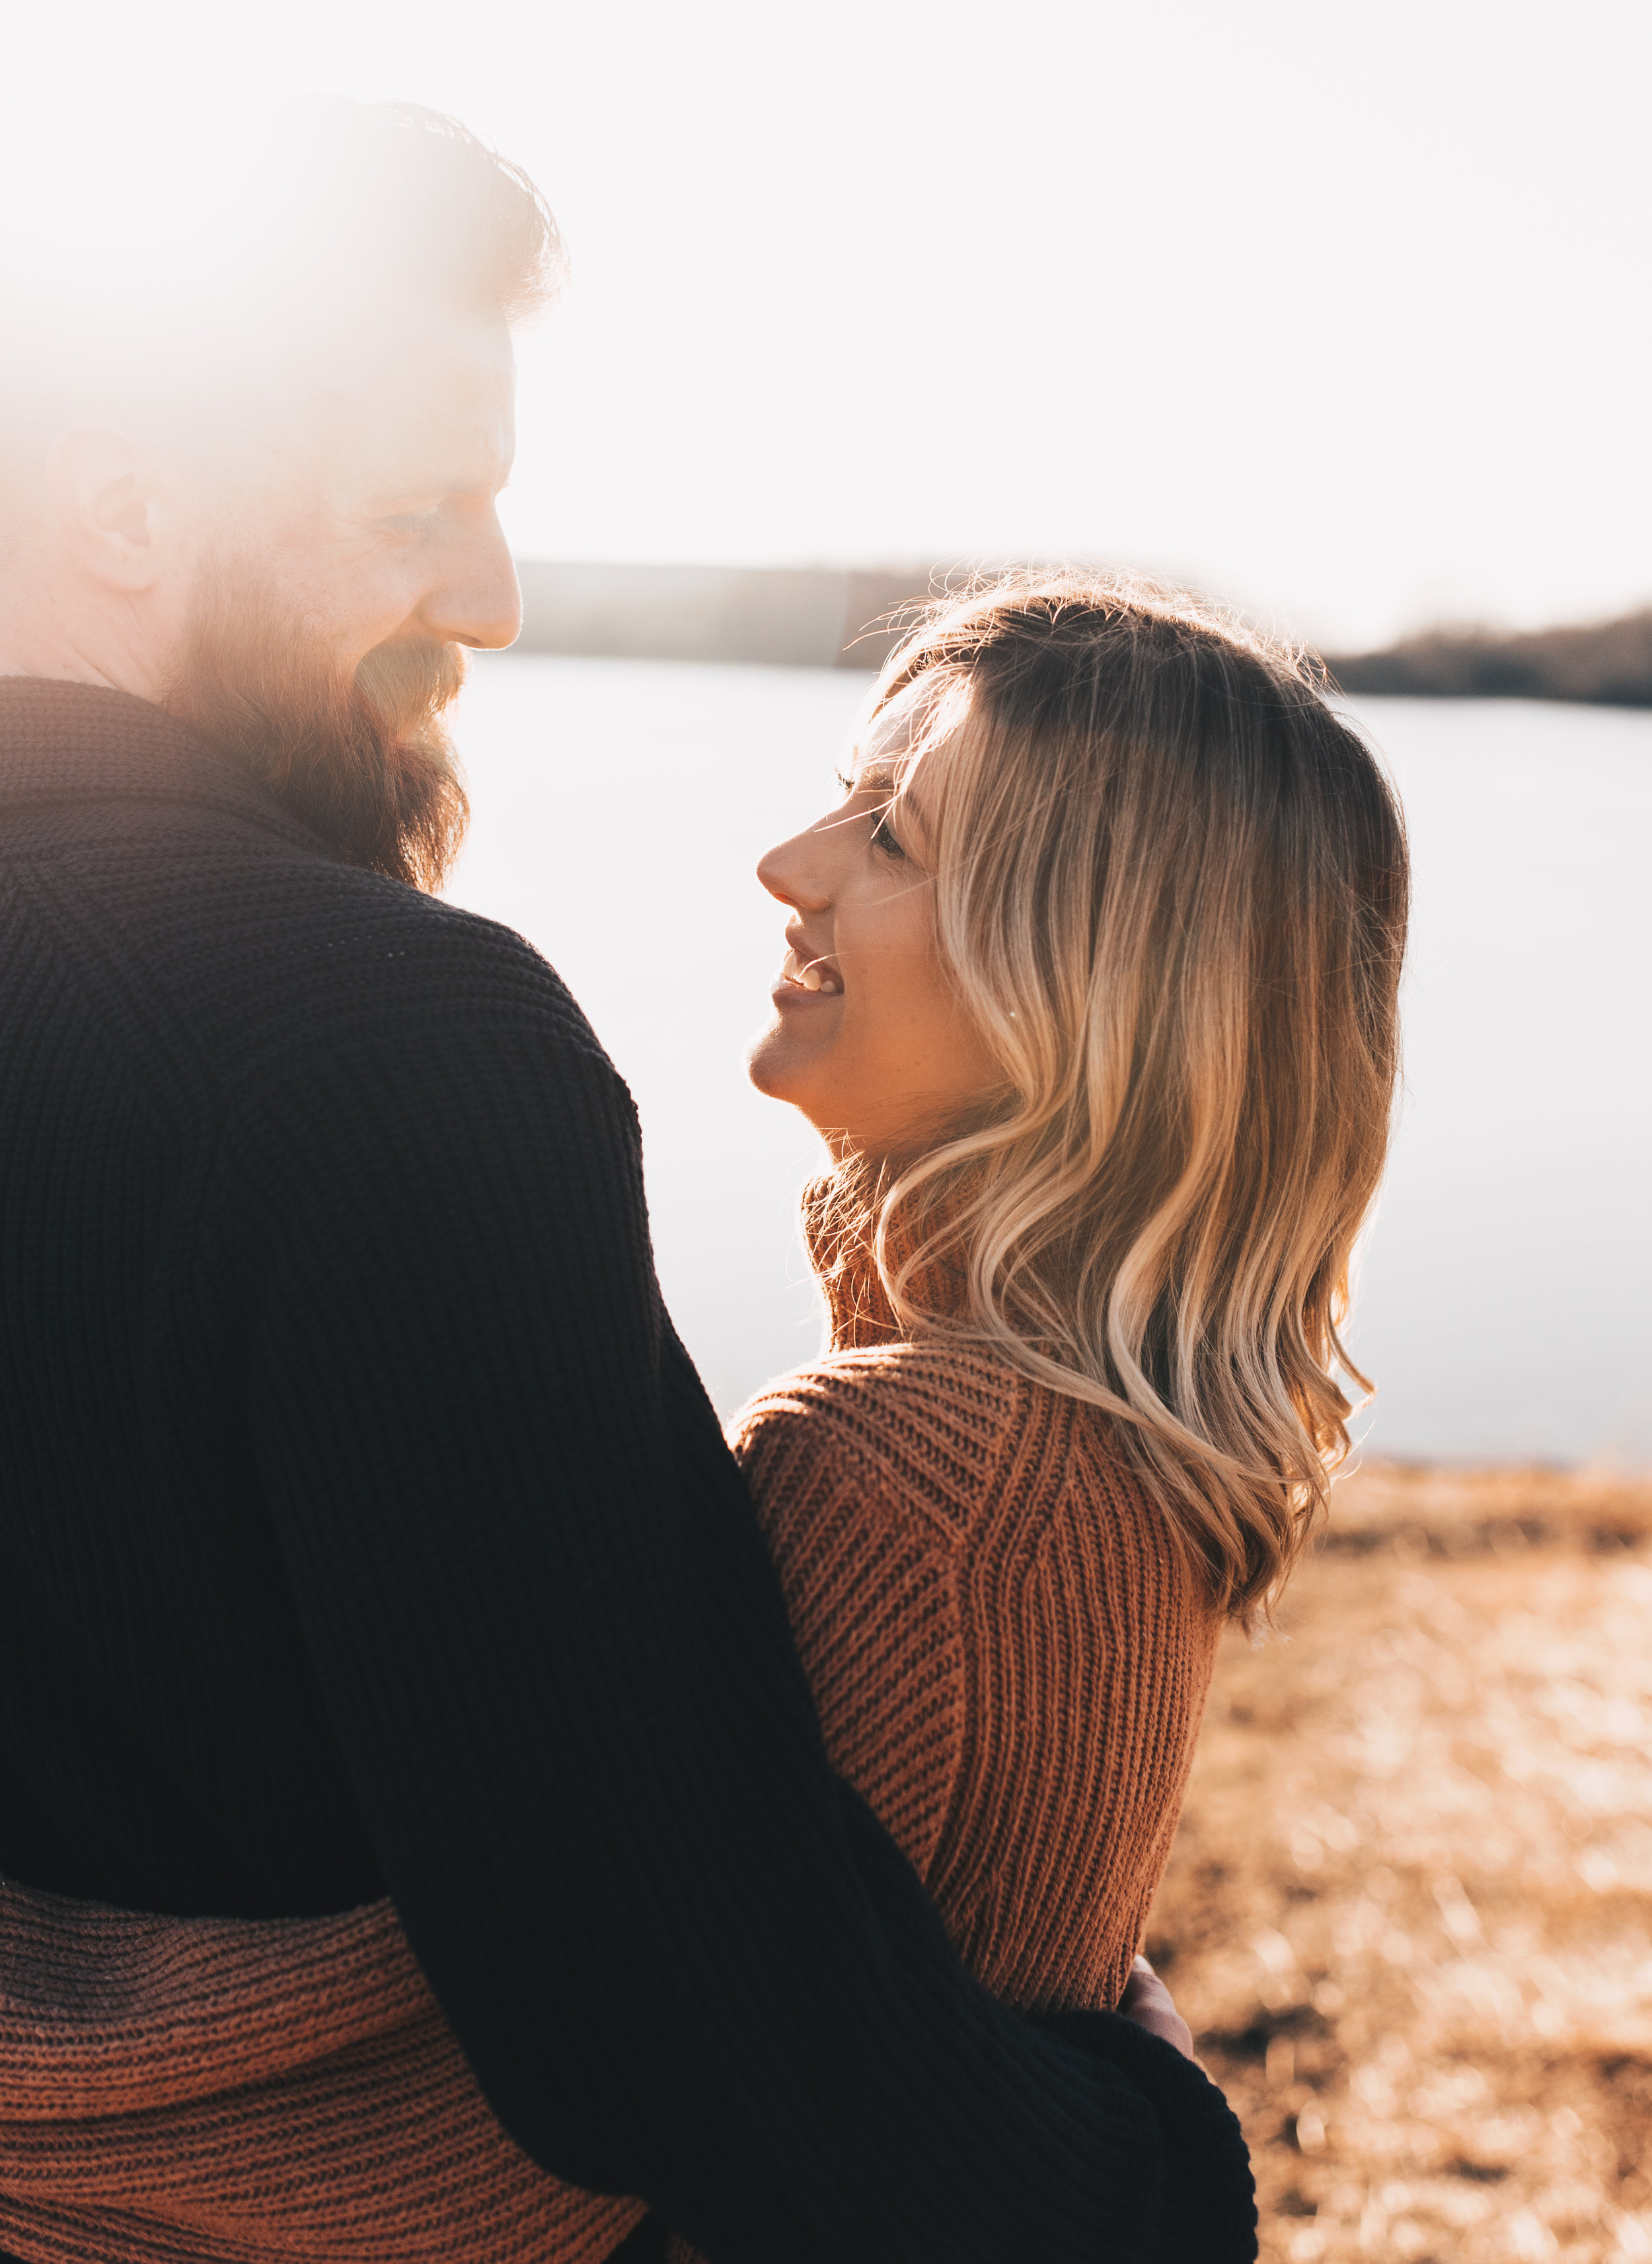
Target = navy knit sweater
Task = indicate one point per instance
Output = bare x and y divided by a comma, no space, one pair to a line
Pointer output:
365,1528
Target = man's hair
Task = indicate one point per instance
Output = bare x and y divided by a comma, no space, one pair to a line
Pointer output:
328,213
426,207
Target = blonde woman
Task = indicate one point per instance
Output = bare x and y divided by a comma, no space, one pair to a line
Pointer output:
1090,987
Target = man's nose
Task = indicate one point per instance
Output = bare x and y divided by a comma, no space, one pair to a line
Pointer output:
477,601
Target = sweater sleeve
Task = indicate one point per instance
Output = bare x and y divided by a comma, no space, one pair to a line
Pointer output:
1008,1660
683,1959
872,1596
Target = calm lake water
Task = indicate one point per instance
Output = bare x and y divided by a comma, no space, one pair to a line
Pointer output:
1502,1297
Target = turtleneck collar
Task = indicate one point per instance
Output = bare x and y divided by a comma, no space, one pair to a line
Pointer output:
856,1299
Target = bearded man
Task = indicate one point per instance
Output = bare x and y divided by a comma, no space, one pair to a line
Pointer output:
370,1562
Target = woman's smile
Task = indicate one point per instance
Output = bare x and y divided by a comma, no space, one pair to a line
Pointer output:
804,975
870,1038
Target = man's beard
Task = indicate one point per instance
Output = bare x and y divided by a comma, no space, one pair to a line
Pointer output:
363,760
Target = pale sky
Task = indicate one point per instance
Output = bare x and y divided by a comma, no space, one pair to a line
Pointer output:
1340,311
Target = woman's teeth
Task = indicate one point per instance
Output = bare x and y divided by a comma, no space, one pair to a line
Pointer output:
811,976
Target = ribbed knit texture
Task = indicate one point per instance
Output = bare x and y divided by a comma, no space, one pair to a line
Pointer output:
366,1528
1009,1659
1009,1654
173,2090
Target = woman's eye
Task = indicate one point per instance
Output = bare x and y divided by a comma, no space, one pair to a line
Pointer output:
883,836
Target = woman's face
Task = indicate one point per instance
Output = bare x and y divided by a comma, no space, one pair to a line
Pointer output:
870,1038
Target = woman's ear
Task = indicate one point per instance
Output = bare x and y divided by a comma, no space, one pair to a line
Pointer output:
108,495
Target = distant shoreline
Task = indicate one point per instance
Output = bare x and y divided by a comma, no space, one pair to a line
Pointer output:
1607,665
822,617
778,617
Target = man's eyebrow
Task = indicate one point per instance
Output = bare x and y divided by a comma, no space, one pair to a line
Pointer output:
389,500
471,484
484,474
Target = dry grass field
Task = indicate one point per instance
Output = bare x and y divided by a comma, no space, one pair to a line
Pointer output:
1409,1911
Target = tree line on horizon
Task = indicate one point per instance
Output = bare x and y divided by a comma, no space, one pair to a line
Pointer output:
1606,664
824,617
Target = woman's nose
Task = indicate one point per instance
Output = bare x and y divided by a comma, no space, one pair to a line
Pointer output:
785,873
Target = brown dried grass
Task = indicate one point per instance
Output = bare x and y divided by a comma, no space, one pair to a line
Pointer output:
1409,1911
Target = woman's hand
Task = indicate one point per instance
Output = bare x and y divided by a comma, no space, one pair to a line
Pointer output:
1148,2002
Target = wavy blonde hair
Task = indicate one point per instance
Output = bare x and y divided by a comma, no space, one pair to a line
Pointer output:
1171,887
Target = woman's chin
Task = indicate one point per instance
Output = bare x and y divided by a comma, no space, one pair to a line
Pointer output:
766,1063
783,1070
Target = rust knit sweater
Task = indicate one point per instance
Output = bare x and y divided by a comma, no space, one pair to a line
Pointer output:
1010,1661
1009,1654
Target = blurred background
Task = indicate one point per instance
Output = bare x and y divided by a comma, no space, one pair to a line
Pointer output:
1341,316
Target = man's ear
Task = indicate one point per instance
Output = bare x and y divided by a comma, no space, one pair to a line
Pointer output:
109,496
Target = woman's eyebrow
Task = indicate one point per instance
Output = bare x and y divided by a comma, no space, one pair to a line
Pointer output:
890,782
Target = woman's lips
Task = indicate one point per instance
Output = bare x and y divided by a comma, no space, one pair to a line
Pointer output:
792,998
807,978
